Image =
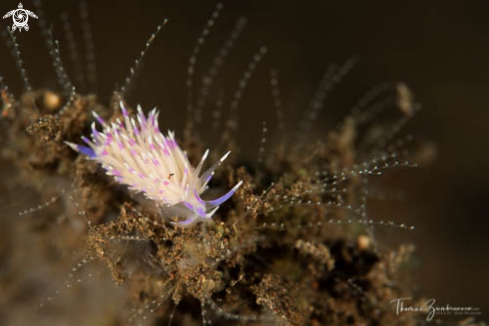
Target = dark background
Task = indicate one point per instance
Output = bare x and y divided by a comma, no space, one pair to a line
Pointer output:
439,48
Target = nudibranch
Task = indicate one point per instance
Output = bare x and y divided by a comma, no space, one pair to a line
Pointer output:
138,155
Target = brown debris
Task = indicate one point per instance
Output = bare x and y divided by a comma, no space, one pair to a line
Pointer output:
270,255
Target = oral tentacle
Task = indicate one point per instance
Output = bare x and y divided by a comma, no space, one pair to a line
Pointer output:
222,199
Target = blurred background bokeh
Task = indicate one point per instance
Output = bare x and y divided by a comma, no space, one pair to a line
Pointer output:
439,48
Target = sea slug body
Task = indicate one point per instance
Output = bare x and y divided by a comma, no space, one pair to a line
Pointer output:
138,155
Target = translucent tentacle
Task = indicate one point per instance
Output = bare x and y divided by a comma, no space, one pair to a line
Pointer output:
222,199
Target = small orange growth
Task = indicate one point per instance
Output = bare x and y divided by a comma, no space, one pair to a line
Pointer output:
52,101
7,103
363,242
